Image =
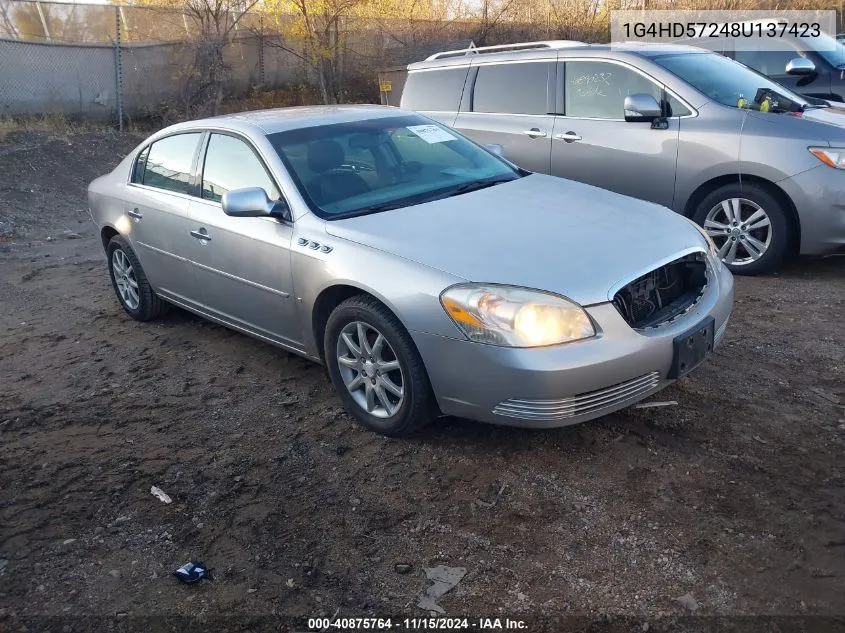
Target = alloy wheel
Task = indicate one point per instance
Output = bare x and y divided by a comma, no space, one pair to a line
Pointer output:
124,278
370,370
741,230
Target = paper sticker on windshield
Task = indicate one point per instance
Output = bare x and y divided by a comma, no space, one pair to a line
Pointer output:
431,133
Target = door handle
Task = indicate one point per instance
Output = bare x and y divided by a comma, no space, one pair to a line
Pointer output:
569,137
201,235
134,214
535,132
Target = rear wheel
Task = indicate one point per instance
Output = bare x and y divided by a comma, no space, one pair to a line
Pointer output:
131,286
750,227
376,368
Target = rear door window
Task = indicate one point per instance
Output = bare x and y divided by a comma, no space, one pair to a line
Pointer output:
140,166
520,88
169,162
435,90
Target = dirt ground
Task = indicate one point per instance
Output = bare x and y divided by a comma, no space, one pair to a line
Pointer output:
736,496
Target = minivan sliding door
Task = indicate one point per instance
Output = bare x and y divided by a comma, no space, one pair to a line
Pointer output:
511,105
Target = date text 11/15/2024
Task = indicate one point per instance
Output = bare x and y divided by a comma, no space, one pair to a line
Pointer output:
415,624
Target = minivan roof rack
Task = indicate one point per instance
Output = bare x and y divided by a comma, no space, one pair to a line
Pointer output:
523,46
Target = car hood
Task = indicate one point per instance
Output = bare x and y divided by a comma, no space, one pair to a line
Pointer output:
537,232
831,116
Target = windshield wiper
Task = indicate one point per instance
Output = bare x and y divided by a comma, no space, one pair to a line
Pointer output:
420,199
475,186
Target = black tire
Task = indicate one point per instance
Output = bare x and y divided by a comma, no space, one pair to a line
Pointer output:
779,240
150,305
418,405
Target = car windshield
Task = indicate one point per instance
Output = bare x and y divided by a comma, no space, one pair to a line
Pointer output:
360,167
730,83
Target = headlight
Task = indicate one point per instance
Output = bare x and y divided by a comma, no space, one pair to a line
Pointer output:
515,317
714,251
830,156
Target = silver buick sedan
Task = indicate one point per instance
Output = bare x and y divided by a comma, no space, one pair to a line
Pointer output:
430,275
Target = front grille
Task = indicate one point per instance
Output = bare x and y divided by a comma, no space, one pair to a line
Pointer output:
581,404
664,293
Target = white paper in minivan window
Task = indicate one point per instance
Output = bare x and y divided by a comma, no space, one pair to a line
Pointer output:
431,133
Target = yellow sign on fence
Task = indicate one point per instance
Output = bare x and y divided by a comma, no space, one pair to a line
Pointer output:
385,86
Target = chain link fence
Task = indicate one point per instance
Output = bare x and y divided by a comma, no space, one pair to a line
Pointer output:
105,61
117,62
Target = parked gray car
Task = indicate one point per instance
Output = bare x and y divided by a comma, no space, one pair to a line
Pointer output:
428,274
755,164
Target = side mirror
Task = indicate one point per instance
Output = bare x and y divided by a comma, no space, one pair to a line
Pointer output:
252,202
495,148
801,67
641,107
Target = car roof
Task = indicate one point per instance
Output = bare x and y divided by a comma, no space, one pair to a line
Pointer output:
283,119
631,48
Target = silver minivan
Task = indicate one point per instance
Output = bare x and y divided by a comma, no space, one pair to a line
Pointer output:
755,164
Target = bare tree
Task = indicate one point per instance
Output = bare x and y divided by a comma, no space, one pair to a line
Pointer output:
210,25
314,31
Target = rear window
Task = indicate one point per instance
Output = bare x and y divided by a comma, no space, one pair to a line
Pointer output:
168,164
435,90
512,88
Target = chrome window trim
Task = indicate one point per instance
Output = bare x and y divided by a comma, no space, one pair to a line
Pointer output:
533,116
533,60
140,151
202,145
565,59
238,135
144,187
449,67
502,62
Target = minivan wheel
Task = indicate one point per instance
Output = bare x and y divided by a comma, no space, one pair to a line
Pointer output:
130,283
749,226
376,369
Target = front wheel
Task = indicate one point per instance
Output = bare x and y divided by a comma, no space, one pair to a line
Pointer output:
750,227
376,368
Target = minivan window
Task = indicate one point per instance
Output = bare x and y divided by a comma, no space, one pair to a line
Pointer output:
726,81
771,61
828,47
435,90
231,164
597,90
169,162
512,88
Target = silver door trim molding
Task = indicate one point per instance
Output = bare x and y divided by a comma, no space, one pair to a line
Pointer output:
163,252
254,284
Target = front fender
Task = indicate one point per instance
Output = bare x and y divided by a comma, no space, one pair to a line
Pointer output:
410,290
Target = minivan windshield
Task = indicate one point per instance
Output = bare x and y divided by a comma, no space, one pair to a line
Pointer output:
379,164
730,83
828,47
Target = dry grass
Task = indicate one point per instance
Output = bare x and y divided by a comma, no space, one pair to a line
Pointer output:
292,95
57,125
